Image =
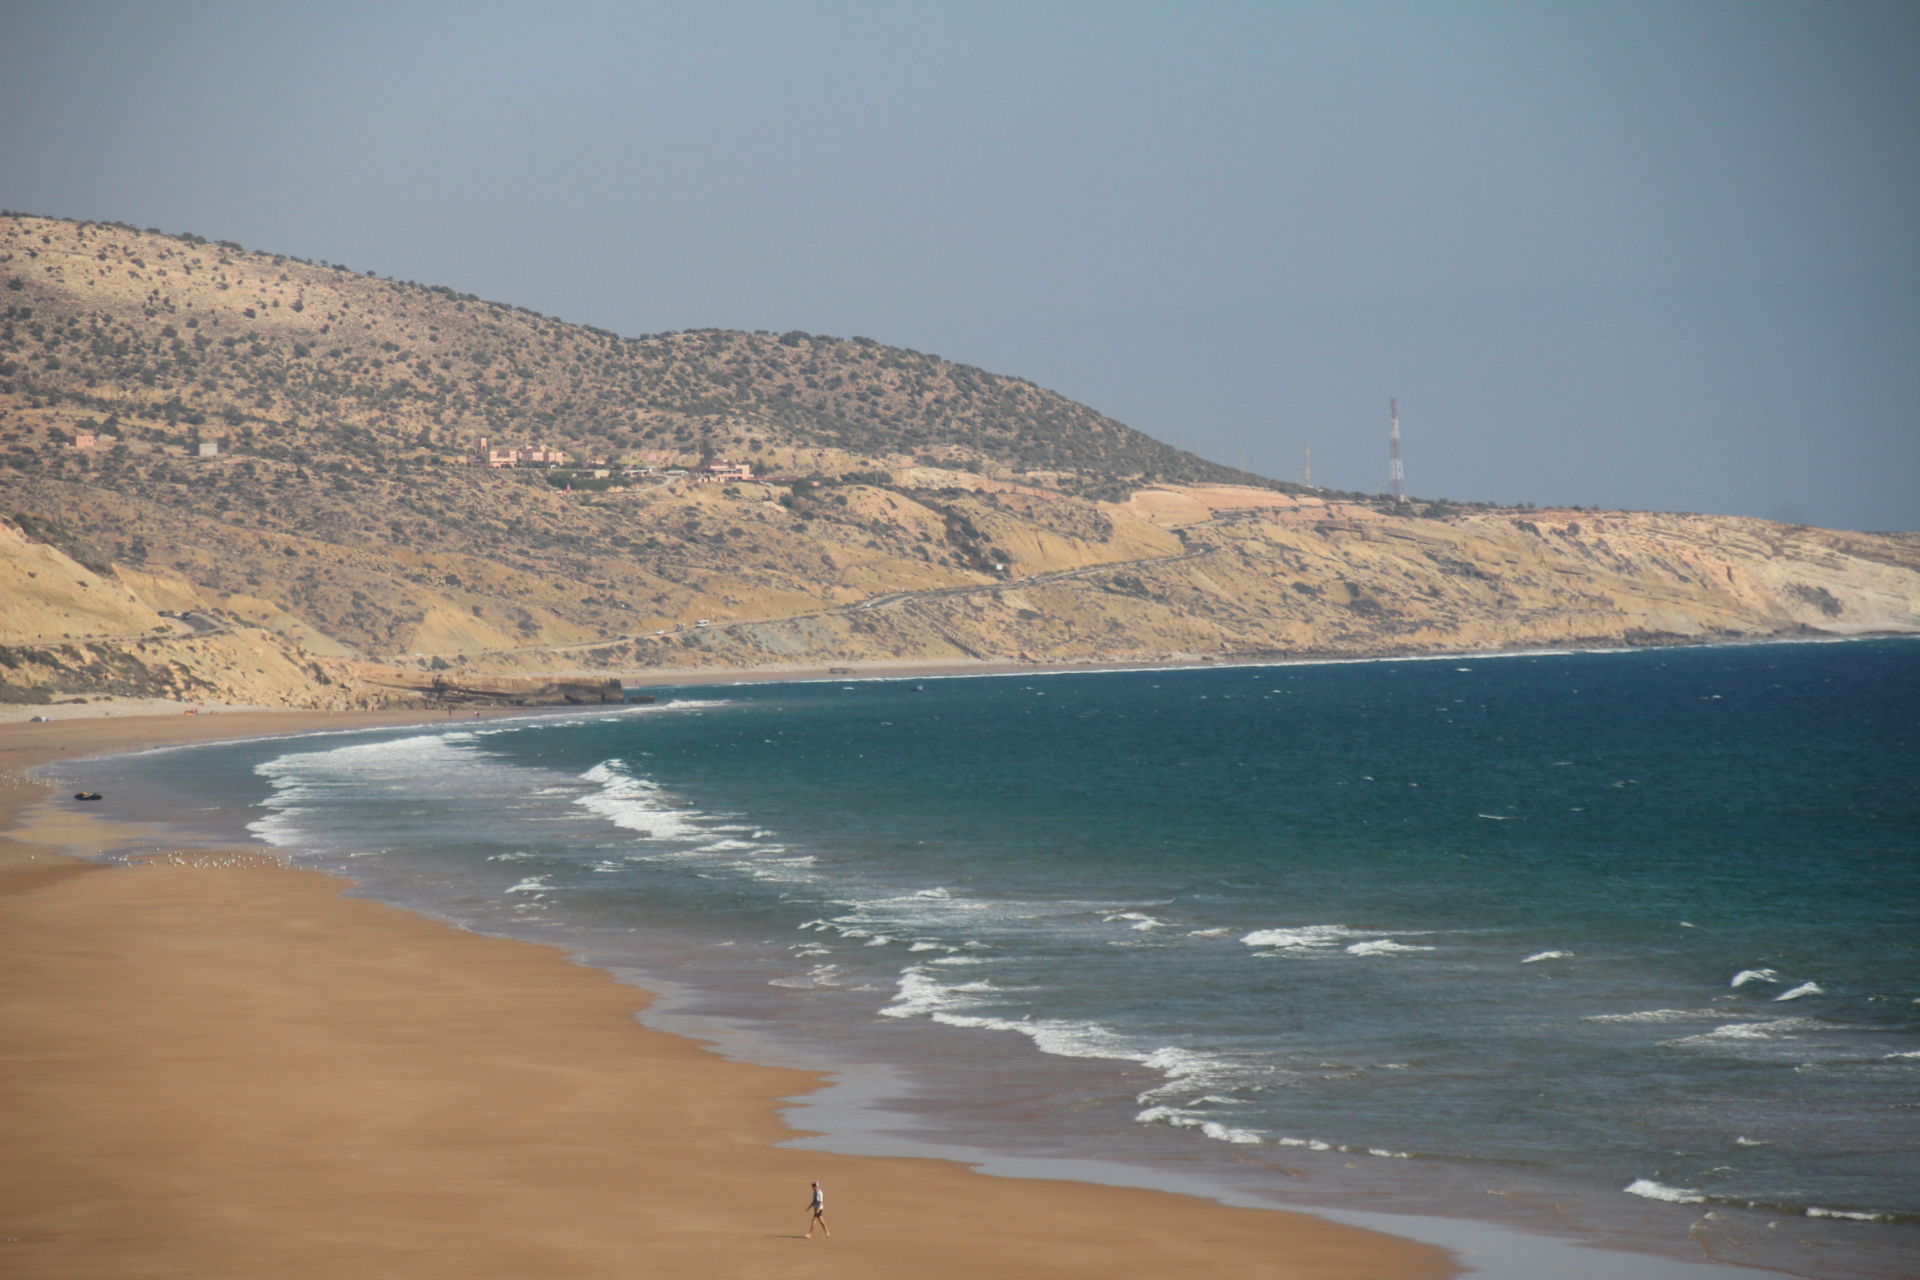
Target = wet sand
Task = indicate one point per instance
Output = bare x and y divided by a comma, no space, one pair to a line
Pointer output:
215,1065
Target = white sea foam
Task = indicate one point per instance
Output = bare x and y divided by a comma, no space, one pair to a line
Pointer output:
1222,1133
1304,938
789,868
1136,919
1804,989
1327,939
1851,1215
533,884
1744,1141
1185,1070
931,910
636,804
1317,1144
1384,947
1652,1190
1180,1119
1739,1031
1311,1144
1495,817
820,975
920,994
1547,955
1209,933
727,845
393,760
395,767
1653,1015
1061,1037
1732,1031
1745,976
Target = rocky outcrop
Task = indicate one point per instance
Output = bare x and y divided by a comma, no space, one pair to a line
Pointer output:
473,689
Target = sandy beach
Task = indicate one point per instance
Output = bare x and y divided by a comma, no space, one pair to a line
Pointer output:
215,1065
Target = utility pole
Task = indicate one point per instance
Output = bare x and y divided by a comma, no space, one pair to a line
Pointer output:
1396,470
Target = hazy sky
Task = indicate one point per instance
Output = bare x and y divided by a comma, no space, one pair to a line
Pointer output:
1631,254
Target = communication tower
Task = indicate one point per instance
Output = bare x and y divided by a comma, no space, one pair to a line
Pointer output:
1396,470
1306,466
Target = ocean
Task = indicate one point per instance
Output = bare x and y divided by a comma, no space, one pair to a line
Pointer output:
1621,947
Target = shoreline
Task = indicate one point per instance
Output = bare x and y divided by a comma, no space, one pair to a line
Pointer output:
221,1065
907,669
1493,1245
107,707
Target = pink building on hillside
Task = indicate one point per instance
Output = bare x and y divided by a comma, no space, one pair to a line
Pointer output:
720,469
524,455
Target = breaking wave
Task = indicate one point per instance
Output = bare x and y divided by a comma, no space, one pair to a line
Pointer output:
637,805
1327,939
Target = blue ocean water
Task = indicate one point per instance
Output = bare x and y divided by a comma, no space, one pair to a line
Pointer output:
1630,941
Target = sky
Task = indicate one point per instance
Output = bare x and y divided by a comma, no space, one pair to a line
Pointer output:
1610,253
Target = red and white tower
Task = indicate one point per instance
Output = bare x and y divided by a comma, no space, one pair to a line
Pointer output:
1396,470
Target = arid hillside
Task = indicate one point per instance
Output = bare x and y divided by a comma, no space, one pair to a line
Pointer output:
172,341
283,453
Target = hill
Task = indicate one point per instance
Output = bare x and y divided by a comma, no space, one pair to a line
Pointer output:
285,450
179,340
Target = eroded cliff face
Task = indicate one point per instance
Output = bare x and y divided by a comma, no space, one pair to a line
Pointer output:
1169,575
1280,578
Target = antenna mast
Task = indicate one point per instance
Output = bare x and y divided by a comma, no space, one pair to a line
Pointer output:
1396,470
1306,465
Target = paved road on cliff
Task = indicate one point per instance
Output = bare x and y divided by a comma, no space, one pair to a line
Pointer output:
891,599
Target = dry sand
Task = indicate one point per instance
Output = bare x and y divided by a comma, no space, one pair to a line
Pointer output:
217,1066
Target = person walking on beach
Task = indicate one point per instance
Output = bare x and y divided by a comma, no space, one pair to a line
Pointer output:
817,1208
